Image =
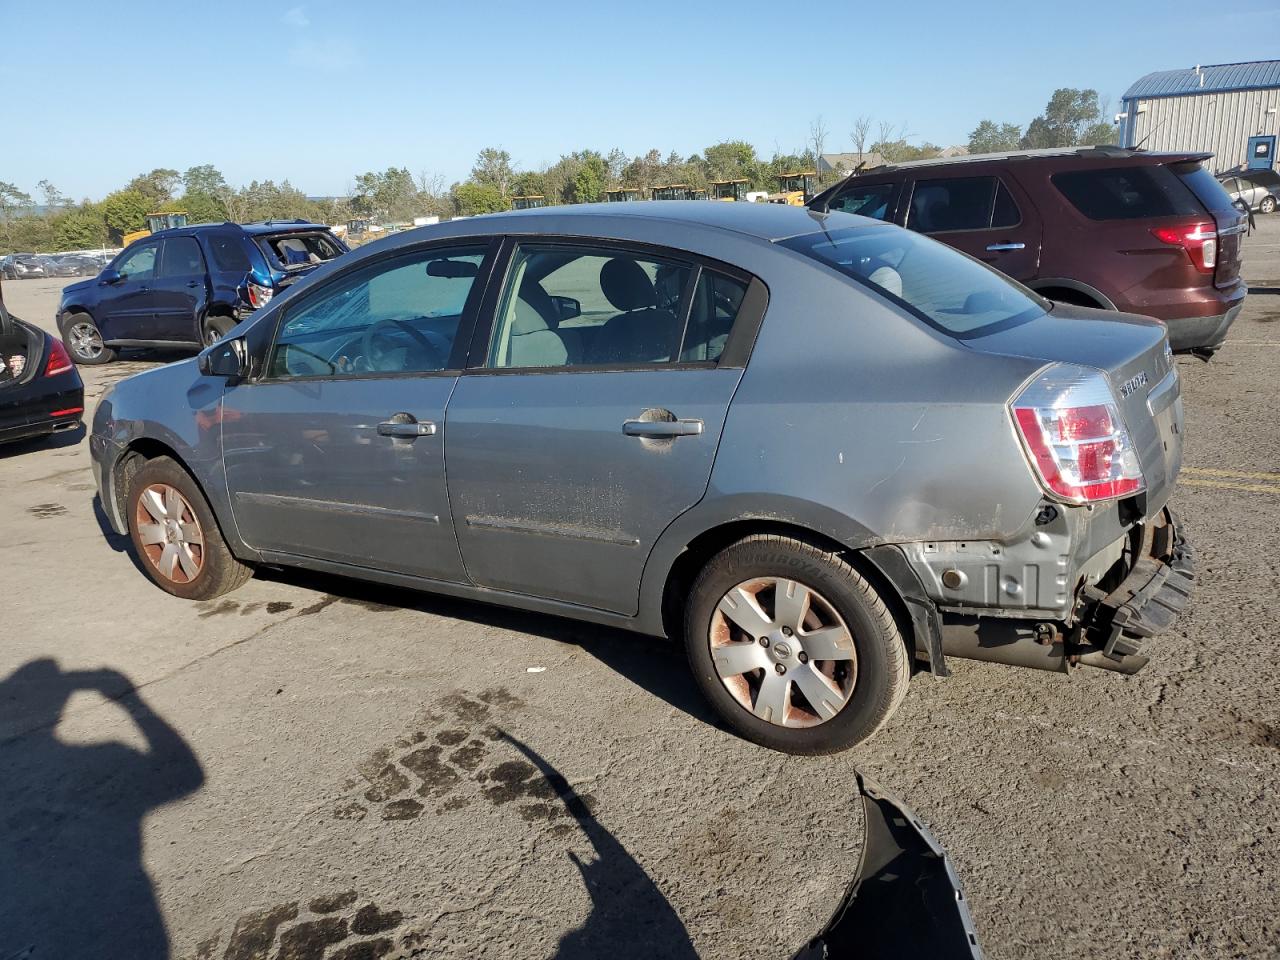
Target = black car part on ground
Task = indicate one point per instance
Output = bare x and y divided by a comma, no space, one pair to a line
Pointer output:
904,901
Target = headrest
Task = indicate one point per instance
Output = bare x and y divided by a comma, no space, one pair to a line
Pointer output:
626,285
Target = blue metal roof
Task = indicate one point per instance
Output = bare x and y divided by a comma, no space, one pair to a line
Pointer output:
1217,78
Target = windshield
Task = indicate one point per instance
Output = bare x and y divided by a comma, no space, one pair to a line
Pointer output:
944,288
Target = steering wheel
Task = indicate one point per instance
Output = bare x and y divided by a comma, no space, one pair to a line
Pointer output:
377,355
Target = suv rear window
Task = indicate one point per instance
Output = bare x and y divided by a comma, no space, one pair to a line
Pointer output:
1126,193
944,288
292,250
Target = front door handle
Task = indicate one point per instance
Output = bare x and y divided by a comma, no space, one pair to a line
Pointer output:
661,429
998,247
405,427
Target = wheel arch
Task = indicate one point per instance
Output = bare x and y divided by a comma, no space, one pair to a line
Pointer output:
1077,291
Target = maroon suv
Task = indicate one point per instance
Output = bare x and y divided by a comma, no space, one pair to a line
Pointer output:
1108,227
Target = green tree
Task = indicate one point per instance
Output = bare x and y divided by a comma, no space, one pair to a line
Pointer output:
1067,116
203,207
591,178
204,179
529,184
991,137
733,160
124,211
80,228
391,195
12,201
158,186
493,169
470,199
54,199
1098,133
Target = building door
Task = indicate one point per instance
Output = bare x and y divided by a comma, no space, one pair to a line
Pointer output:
1262,153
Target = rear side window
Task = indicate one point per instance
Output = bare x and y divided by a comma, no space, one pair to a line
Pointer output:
875,200
941,286
300,249
716,302
228,253
1127,193
181,258
963,203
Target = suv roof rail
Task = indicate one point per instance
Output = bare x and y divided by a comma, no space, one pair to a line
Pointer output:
1105,150
294,220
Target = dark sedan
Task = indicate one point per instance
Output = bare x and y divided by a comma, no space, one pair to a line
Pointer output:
40,391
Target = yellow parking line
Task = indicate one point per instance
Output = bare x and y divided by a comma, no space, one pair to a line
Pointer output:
1231,474
1222,485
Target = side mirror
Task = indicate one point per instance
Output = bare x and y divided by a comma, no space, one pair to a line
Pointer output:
567,308
109,276
229,358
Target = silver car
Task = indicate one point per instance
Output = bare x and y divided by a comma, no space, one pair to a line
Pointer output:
1257,189
824,451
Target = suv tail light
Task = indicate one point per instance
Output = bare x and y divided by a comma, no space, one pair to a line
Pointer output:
258,294
1071,429
1200,240
59,361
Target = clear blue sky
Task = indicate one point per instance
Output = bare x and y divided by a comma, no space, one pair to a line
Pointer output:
317,92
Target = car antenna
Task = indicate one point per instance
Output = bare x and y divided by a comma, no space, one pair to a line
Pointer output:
1151,133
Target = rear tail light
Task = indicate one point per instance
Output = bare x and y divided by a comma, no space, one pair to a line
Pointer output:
59,361
258,295
1071,429
1200,240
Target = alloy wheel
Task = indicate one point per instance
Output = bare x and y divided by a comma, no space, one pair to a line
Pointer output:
783,652
85,341
170,533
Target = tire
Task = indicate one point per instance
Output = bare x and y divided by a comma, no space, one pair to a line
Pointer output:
83,340
865,679
1268,205
199,566
216,327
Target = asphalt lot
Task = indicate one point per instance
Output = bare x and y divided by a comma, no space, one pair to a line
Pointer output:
323,768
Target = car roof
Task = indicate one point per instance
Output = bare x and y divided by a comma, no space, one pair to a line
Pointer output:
258,228
1047,153
764,221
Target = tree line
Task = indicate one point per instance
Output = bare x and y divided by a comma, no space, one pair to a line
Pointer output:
583,176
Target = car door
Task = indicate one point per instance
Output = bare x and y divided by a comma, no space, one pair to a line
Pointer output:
179,291
988,217
336,451
590,417
126,308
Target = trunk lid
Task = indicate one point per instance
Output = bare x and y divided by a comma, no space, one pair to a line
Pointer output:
1132,351
1231,223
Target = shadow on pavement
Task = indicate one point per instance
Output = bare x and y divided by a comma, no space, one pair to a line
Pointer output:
54,441
72,882
629,915
656,665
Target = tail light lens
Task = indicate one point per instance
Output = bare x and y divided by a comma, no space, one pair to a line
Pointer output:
259,295
1200,240
1073,435
59,361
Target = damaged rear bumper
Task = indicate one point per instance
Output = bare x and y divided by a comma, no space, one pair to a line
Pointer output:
1111,629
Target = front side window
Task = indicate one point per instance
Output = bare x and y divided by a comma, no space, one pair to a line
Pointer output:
181,258
399,315
867,200
941,286
960,203
138,264
578,306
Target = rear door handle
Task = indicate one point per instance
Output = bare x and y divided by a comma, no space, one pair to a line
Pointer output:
193,283
406,429
662,428
997,247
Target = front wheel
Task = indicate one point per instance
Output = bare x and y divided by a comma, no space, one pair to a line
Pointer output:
793,647
84,342
176,537
1268,205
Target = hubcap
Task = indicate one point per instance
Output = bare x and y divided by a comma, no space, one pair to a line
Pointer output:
783,652
170,533
86,341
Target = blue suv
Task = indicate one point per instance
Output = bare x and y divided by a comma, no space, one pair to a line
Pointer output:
187,287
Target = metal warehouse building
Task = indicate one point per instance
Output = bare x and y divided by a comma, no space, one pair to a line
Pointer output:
1227,109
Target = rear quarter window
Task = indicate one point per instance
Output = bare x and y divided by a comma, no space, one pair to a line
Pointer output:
936,283
1127,193
300,249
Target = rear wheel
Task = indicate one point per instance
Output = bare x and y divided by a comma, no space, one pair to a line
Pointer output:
793,648
216,327
84,341
1268,205
176,537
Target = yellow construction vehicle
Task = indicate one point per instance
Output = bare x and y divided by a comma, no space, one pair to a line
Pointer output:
529,201
677,191
624,195
729,189
795,189
155,223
